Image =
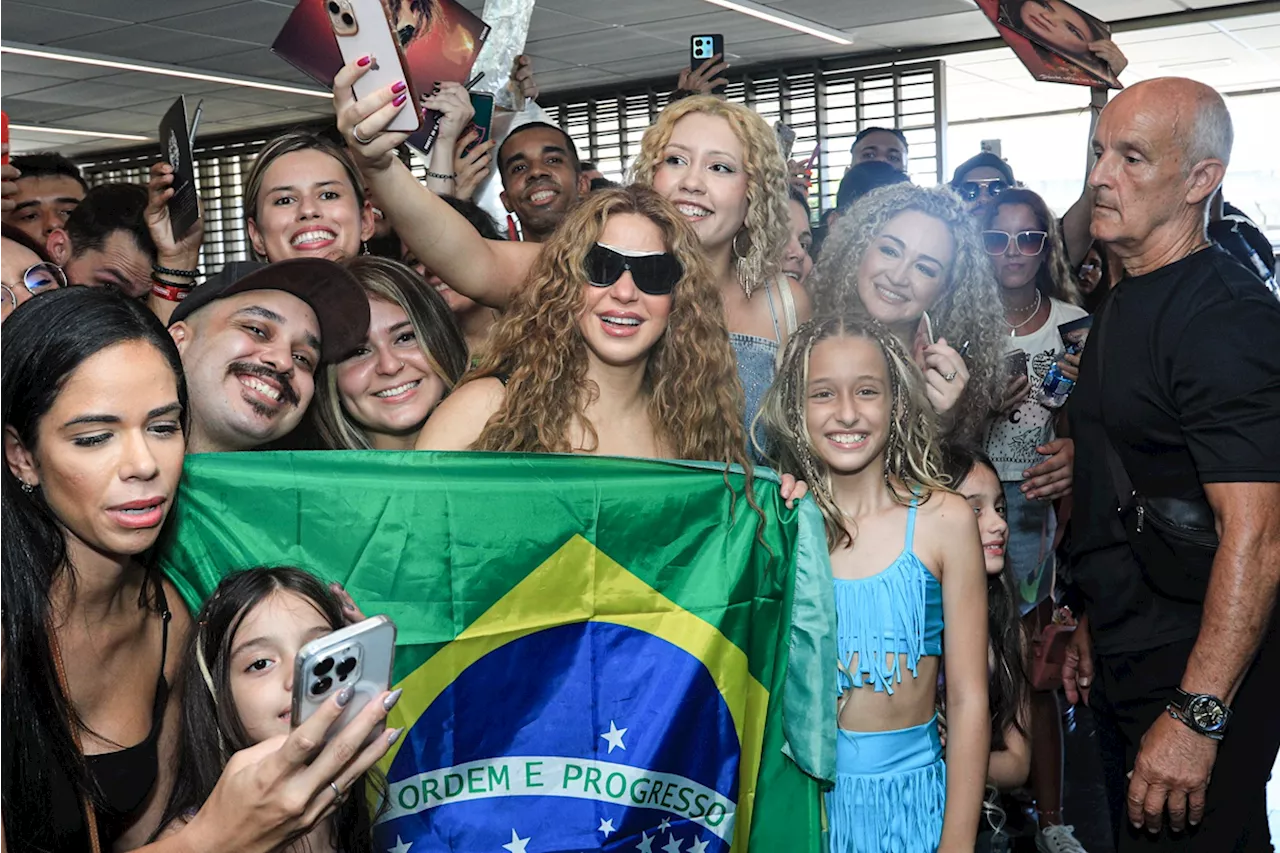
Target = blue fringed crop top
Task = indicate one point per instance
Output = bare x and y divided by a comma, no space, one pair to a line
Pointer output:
887,616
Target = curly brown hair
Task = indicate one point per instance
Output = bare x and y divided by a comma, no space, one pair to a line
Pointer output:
967,309
1054,278
691,377
768,223
912,454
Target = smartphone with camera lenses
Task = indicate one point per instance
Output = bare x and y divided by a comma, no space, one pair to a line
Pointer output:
358,656
704,47
363,29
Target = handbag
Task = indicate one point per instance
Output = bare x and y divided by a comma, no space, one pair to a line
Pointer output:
1174,539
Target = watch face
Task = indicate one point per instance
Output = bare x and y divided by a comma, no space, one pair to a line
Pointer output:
1207,713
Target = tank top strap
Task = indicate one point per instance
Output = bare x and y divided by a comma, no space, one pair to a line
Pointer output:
773,313
911,523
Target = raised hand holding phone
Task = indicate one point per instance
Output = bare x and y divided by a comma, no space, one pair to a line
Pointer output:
357,659
364,123
706,63
365,35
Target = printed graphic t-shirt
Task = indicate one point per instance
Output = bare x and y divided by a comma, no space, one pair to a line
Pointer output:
1013,438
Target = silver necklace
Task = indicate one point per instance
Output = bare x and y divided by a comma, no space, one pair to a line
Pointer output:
1035,309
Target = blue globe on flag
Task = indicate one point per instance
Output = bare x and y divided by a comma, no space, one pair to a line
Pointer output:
591,736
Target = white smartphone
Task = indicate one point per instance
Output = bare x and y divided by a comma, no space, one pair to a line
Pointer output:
363,29
358,656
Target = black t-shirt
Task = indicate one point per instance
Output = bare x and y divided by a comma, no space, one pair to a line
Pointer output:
1191,396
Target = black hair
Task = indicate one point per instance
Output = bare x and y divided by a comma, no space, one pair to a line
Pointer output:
602,184
22,238
211,727
1093,299
476,215
798,196
106,209
46,165
1010,687
542,125
46,339
864,177
386,246
588,166
984,158
902,137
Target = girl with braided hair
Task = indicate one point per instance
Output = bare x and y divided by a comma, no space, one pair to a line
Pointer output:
848,413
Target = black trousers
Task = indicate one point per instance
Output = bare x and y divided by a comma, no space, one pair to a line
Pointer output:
1131,690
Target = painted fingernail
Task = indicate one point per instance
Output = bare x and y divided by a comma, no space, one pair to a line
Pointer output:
391,700
393,736
399,87
344,696
400,99
364,60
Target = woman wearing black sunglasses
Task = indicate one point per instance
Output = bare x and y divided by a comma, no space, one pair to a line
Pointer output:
615,346
1038,293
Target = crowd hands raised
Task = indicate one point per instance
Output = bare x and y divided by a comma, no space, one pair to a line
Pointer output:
691,315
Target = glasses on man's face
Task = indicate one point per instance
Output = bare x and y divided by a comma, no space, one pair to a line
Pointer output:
971,190
1029,243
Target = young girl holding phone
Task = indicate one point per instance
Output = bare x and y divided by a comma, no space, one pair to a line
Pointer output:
850,416
239,676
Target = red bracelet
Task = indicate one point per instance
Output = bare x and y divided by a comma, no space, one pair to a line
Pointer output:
171,292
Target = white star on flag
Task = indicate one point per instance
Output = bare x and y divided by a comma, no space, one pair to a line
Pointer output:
401,847
517,844
646,843
666,824
699,846
606,826
614,737
672,845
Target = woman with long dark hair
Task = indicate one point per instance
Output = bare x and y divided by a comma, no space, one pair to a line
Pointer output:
93,414
238,670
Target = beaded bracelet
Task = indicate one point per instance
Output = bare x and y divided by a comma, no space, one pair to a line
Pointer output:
440,177
176,273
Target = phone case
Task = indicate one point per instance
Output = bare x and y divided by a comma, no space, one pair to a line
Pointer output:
4,132
482,102
359,655
363,29
702,48
786,139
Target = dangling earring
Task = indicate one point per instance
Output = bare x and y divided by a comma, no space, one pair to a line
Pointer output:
364,247
27,488
747,272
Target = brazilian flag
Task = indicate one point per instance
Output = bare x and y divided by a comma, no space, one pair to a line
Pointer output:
597,653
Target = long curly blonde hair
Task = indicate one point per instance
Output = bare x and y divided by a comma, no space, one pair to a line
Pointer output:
912,454
1054,278
691,377
759,244
967,309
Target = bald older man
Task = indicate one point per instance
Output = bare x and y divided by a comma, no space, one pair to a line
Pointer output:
1177,417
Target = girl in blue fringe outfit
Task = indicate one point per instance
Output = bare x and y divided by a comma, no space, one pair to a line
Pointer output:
848,413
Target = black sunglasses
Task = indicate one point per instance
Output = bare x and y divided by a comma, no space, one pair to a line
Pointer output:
1029,243
655,275
970,190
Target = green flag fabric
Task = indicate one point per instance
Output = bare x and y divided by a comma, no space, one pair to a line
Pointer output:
597,653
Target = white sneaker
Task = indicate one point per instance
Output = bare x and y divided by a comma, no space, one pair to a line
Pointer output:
1058,839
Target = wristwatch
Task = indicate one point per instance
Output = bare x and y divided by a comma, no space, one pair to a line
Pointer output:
1200,712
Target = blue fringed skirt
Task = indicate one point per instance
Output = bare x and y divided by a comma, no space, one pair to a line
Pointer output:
891,789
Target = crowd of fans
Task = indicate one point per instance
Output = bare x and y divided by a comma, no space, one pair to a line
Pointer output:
892,360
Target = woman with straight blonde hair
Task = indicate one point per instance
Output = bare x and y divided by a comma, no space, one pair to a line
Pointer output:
718,162
602,351
380,396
